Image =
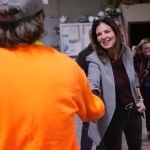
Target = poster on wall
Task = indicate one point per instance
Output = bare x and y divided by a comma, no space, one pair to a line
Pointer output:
86,34
74,37
70,40
45,1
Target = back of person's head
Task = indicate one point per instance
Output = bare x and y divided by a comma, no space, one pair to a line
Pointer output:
111,23
21,22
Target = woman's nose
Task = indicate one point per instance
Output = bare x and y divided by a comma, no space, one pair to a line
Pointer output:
103,36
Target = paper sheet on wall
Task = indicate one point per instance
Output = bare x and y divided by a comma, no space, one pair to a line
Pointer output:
86,34
71,40
74,33
45,1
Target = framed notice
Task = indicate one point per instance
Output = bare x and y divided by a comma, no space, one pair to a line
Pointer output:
74,37
70,39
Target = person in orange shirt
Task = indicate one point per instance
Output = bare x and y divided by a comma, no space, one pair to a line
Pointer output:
41,89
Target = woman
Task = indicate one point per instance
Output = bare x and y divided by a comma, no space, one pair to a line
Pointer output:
111,74
142,67
41,89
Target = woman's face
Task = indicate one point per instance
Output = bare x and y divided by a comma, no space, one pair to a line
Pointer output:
146,49
105,36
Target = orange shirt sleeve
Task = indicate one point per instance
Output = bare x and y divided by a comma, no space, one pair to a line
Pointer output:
91,107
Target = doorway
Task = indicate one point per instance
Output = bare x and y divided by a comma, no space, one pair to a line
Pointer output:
137,31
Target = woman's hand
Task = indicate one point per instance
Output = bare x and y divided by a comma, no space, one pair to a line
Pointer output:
141,106
133,50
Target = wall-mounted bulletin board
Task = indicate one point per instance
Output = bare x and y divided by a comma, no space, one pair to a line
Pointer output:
73,38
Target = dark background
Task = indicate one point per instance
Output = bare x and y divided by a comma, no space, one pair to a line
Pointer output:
138,31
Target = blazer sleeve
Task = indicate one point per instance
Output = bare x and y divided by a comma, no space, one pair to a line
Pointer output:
94,76
94,72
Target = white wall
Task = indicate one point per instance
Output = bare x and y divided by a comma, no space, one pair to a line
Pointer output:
136,12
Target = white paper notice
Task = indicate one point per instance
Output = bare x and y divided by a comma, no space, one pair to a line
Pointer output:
45,1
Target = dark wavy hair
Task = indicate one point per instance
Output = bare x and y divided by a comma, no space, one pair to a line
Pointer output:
101,52
21,32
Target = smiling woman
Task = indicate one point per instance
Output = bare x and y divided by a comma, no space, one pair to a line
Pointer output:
106,38
110,35
111,73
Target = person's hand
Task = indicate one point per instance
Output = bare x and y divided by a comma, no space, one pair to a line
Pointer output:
141,106
133,50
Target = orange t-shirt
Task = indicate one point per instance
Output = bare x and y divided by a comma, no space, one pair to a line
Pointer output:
40,91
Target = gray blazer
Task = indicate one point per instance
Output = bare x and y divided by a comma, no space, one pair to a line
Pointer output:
100,77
